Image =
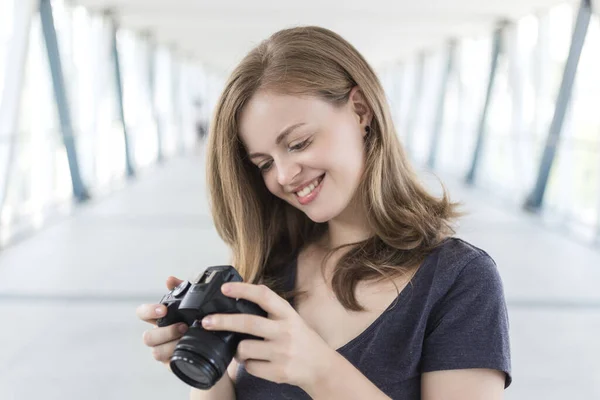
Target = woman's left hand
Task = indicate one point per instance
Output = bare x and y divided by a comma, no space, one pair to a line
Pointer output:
291,352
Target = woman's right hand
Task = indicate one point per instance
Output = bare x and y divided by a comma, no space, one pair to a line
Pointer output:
163,340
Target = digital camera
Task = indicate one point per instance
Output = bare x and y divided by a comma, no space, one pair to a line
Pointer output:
201,357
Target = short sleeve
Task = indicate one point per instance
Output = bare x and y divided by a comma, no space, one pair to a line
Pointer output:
468,327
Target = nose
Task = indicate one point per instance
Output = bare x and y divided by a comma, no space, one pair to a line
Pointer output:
286,172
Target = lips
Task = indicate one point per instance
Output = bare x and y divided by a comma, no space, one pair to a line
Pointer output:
313,194
300,188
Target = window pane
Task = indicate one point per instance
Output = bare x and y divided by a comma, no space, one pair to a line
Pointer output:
464,102
574,188
6,29
40,174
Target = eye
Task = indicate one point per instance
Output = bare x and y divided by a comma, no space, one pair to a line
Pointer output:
265,167
300,146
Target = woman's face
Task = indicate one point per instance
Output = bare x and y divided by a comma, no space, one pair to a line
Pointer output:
305,142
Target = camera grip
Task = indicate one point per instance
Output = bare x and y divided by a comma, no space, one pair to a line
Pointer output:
172,316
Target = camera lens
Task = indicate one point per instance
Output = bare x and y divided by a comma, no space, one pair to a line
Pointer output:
201,357
193,370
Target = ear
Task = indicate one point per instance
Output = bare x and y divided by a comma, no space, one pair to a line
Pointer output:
361,109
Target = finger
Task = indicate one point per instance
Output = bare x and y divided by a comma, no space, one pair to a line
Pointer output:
261,295
173,282
158,336
151,312
164,352
253,350
242,323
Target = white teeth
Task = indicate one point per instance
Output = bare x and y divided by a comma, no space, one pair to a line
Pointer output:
307,190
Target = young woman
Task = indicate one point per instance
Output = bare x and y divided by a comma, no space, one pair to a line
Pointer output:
368,294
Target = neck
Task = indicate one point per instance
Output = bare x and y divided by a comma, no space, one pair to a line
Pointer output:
340,233
350,226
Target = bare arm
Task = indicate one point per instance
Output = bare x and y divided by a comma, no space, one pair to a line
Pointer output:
223,390
463,384
346,382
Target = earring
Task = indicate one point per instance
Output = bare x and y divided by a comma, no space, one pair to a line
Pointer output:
367,129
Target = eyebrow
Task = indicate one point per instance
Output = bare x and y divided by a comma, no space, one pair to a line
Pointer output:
280,138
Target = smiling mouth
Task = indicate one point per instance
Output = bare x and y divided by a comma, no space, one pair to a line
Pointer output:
310,188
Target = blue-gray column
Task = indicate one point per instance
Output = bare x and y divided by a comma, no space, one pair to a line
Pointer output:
60,94
496,50
119,87
535,199
439,117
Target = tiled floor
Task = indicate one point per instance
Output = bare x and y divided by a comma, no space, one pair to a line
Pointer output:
68,294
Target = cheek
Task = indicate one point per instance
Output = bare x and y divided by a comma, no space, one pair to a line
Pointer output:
345,144
271,184
348,158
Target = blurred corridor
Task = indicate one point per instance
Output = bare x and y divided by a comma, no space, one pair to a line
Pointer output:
104,108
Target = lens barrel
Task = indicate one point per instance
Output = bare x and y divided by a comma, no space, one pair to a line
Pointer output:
201,357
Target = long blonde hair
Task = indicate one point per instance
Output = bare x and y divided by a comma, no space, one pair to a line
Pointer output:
263,231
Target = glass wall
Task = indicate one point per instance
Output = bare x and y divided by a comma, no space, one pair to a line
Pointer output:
529,73
522,104
422,127
161,93
164,100
465,95
39,172
6,31
7,27
574,187
406,96
85,42
137,97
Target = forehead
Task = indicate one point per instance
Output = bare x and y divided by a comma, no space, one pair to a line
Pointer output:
267,114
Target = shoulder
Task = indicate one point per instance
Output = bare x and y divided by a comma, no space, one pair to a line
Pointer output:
455,254
456,272
460,281
466,311
455,260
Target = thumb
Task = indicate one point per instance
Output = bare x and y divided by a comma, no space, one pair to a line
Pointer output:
173,282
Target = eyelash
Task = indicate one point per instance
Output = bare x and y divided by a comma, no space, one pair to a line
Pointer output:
300,146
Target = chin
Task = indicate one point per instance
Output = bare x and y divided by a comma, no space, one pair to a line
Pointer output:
319,218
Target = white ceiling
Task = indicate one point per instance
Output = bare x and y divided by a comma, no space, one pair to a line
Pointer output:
220,33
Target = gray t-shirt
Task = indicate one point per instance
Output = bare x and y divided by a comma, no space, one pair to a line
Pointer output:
452,316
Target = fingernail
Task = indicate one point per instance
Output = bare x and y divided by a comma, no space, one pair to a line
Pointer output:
226,288
207,321
159,311
183,328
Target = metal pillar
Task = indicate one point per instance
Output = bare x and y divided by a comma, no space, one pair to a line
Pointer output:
119,87
439,118
416,100
79,190
534,200
496,50
13,84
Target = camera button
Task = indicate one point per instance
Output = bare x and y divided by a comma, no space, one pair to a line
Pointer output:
181,288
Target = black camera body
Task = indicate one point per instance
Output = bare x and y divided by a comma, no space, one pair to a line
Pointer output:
201,357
